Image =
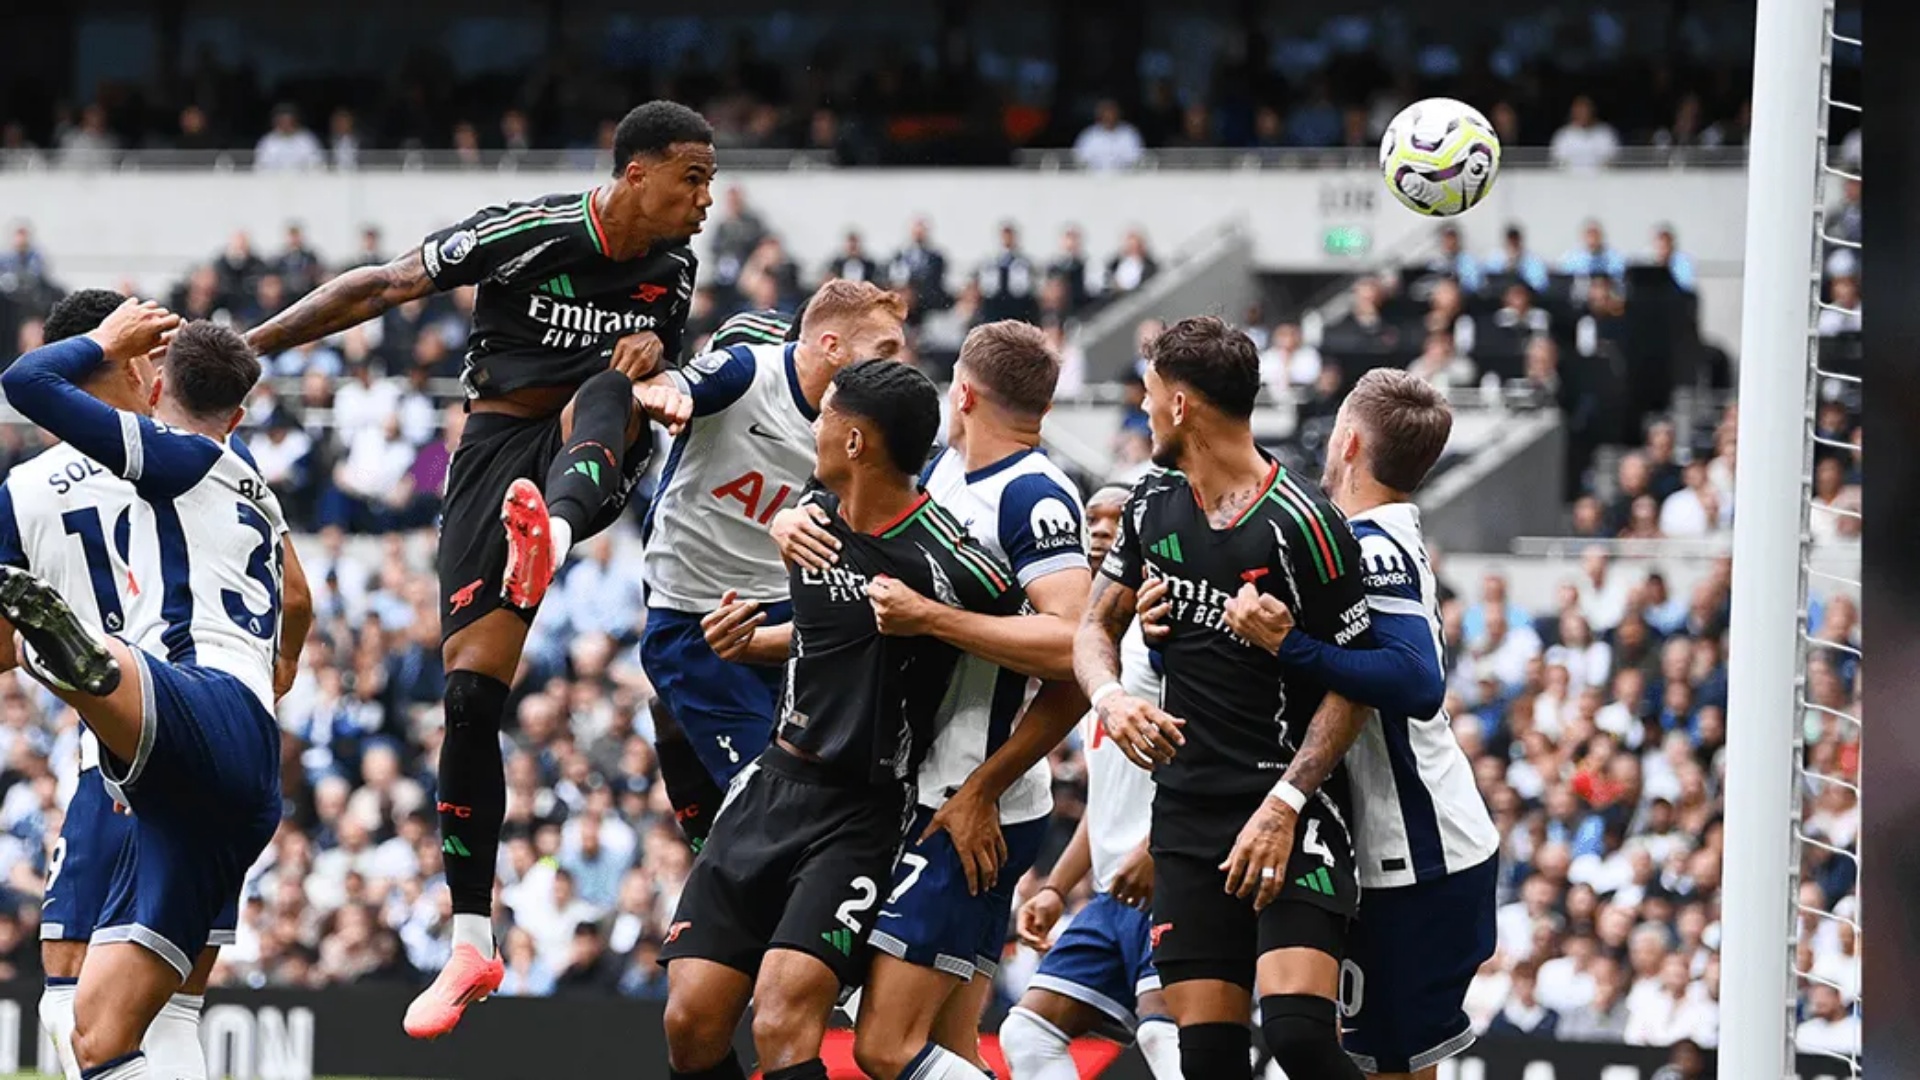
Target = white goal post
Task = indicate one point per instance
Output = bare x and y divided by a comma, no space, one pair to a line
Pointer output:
1779,377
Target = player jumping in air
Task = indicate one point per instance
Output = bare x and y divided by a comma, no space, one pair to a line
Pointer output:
744,456
189,742
1426,843
986,789
1099,976
780,902
692,791
1254,875
582,301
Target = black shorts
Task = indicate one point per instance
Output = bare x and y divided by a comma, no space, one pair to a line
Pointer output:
793,862
1201,932
494,451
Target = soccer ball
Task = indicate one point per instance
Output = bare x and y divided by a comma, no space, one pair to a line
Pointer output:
1439,157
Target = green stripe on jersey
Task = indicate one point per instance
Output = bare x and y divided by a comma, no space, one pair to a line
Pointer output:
954,537
1319,561
1319,532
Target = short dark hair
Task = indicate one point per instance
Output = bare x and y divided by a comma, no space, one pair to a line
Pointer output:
210,369
80,312
1014,364
654,128
1208,356
900,400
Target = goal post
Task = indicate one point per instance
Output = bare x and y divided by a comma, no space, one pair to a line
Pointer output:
1777,387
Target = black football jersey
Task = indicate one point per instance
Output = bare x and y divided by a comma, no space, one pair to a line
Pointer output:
863,703
550,304
1244,713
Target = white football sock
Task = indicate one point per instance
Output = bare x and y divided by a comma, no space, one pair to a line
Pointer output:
935,1062
1035,1049
562,534
56,1021
1159,1040
172,1044
474,930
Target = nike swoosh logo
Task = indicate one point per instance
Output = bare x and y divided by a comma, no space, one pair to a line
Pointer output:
755,429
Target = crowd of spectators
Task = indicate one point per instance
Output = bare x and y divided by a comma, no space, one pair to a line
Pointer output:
1584,88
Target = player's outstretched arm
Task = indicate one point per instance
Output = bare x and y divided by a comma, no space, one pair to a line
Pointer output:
1039,645
296,619
1402,675
348,300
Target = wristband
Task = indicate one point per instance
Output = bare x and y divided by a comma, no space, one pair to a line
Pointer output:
1103,692
1054,889
1288,794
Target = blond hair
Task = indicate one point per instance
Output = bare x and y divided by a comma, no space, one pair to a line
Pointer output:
839,299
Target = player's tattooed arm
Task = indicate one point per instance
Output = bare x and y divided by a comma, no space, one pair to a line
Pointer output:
1145,733
1096,645
1331,732
348,300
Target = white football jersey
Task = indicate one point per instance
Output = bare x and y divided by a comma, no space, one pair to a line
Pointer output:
72,523
1024,510
1420,814
1119,793
745,456
217,528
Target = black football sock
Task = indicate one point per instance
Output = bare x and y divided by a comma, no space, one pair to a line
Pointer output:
586,477
1217,1052
472,798
1304,1037
727,1070
694,793
806,1070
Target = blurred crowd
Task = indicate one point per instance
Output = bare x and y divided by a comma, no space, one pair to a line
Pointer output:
951,86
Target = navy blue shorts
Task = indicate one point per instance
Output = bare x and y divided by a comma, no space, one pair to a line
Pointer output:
1104,958
205,791
1410,957
726,709
81,869
931,920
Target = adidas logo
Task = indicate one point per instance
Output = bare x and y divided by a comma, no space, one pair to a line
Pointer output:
452,846
558,286
588,469
1319,881
841,939
1168,547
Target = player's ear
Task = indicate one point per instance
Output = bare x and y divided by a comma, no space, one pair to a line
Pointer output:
856,441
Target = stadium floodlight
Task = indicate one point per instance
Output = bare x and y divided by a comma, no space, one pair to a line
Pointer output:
1780,381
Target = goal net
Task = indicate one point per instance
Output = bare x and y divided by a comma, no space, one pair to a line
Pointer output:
1791,927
